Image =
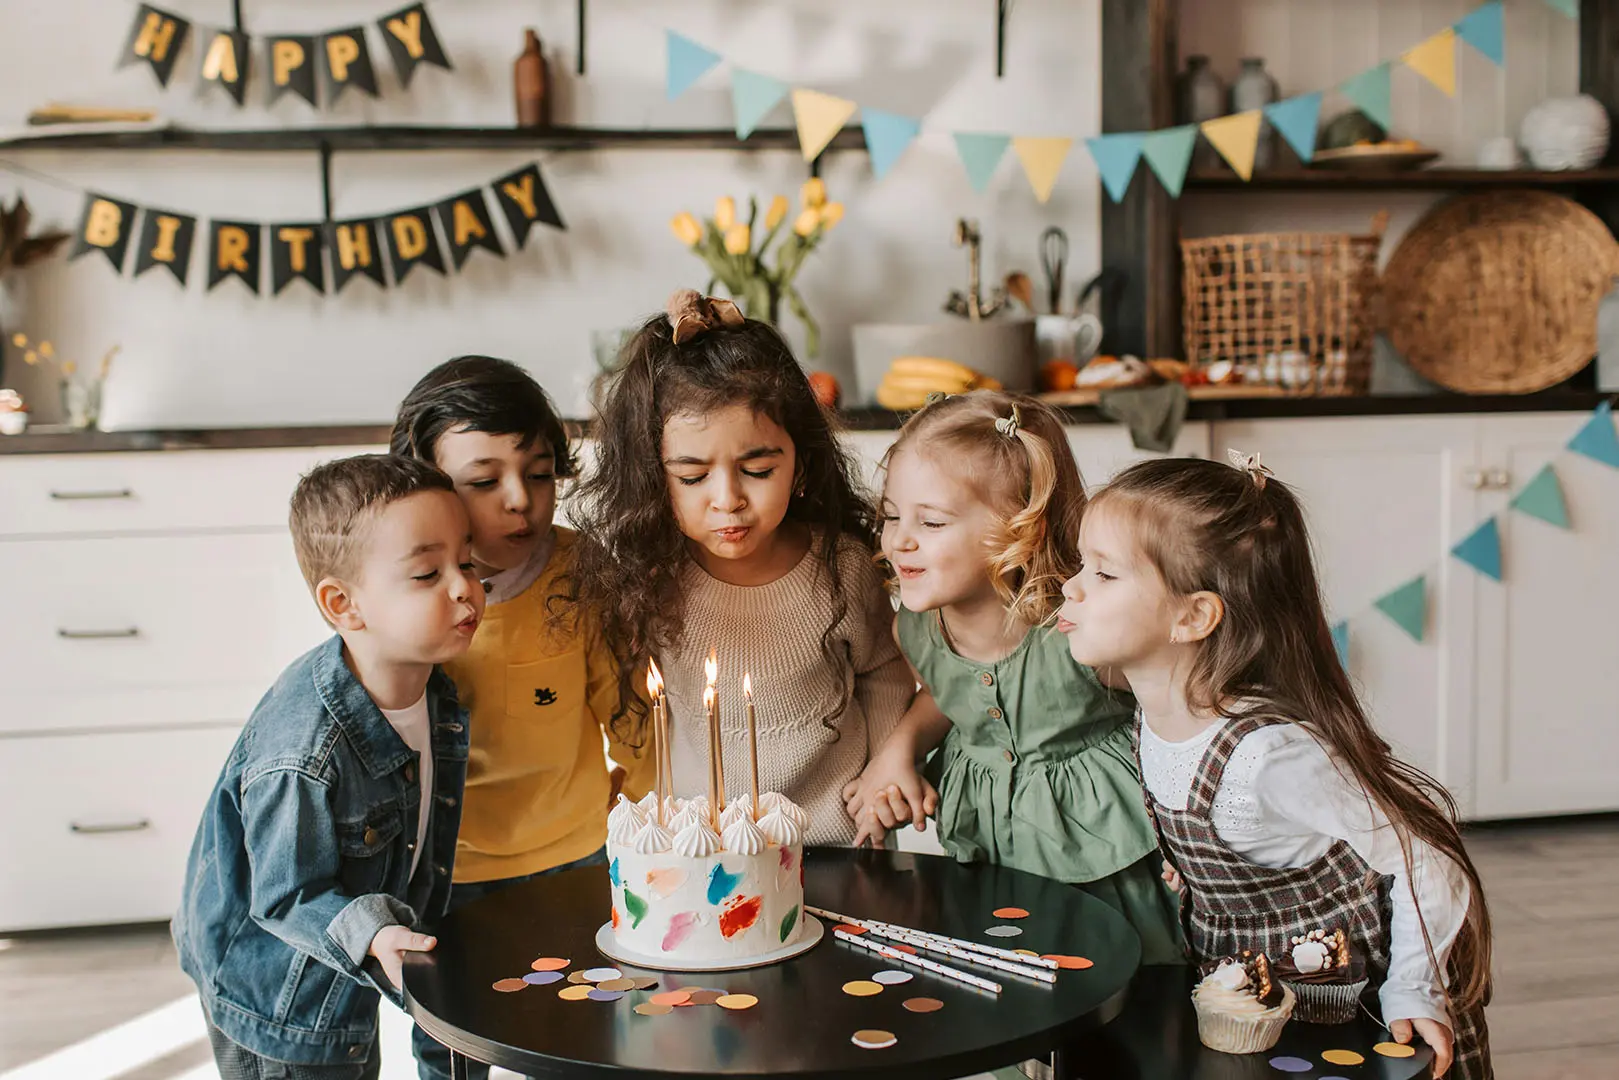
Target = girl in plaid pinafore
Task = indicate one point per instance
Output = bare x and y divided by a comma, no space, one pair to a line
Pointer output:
1278,807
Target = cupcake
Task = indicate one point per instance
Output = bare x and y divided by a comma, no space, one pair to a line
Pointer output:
1241,1008
1325,975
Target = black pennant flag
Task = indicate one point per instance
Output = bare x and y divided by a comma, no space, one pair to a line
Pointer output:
411,40
166,240
524,200
467,225
345,61
292,66
234,251
225,62
155,38
295,252
412,241
106,225
355,251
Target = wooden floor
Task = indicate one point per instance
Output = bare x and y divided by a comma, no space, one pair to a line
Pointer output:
1553,888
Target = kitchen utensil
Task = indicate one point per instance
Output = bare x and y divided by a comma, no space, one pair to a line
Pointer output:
1067,337
1053,261
1021,289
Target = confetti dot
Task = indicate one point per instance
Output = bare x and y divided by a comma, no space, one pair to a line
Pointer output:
705,997
598,994
1025,952
507,986
923,1004
1394,1049
577,978
903,949
645,982
873,1039
574,993
850,928
1010,913
671,997
652,1008
862,988
620,984
542,978
1004,931
1342,1057
597,975
549,963
737,1002
892,978
1068,963
1290,1064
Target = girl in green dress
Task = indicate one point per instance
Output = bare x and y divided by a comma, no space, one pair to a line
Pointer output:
1034,770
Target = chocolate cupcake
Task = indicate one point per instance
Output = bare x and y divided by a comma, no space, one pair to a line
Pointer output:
1241,1007
1325,975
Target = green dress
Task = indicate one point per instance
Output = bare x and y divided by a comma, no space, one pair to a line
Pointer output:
1037,774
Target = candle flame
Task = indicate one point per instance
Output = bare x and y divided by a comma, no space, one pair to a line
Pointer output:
711,667
653,675
652,682
747,686
708,696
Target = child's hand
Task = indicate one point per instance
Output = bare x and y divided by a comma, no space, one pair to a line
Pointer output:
892,774
390,946
887,810
1433,1033
1172,877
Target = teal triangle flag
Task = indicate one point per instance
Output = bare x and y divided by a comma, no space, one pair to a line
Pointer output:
1408,606
1116,159
1481,549
1596,439
1169,152
687,62
1571,8
1340,642
887,136
752,97
1371,93
980,153
1296,119
1542,498
1483,28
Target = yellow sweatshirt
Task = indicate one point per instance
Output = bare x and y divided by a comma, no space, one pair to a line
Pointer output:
541,698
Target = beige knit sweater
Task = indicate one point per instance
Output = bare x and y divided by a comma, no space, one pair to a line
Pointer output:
773,632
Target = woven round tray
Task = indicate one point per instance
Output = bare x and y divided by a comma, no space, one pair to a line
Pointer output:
1497,293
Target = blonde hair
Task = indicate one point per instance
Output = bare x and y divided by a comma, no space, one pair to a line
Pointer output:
335,504
1016,459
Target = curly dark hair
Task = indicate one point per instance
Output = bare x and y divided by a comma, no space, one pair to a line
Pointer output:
631,550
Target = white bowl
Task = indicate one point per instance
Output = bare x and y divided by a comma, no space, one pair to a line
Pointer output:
13,423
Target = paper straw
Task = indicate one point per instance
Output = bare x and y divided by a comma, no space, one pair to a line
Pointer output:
960,943
917,961
945,949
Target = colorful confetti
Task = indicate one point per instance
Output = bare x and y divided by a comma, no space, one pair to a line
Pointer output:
542,978
1010,913
1068,963
737,1002
652,1008
574,993
1394,1049
1342,1057
507,986
1025,952
850,928
578,978
620,984
549,963
1004,931
706,997
597,975
862,988
598,994
873,1039
645,982
892,978
923,1004
1290,1064
671,997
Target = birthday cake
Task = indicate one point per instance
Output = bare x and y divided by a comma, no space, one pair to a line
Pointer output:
693,894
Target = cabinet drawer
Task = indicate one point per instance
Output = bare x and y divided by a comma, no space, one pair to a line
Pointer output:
98,827
50,494
141,612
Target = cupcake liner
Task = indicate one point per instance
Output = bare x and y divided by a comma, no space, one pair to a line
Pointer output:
1326,1003
1243,1034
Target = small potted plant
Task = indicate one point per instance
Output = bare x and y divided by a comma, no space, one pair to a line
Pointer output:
81,386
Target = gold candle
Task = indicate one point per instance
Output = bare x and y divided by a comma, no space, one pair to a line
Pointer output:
657,737
753,742
716,746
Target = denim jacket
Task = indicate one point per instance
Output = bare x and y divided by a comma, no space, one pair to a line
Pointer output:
304,853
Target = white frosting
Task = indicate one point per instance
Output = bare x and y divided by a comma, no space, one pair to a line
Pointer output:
774,800
744,837
734,812
697,841
648,804
625,821
686,817
652,839
1226,989
1229,977
780,829
1309,957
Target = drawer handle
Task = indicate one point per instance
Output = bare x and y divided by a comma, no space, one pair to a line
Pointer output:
79,496
114,827
97,635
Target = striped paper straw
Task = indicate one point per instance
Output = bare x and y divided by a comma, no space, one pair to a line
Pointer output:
960,943
917,961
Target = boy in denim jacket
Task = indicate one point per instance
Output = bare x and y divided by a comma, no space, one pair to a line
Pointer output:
331,831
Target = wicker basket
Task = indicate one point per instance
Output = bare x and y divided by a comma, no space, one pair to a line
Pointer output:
1295,310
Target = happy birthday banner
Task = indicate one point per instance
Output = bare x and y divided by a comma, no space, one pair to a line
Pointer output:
1541,498
337,59
1168,152
318,252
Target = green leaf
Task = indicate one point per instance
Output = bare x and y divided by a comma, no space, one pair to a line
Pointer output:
789,922
636,907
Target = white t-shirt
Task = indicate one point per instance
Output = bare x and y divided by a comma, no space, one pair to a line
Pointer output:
411,723
1282,803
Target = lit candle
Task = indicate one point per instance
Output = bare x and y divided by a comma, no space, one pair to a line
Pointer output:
716,751
708,719
657,737
753,741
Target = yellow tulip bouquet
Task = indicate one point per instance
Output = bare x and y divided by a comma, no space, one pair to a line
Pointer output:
727,245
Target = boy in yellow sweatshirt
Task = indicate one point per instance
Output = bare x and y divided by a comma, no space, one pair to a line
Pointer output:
541,686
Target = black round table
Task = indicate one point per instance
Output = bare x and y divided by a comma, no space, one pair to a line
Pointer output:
803,1022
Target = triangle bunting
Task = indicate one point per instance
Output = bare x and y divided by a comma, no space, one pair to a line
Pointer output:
1116,157
1596,440
687,62
980,153
819,117
752,97
1408,606
1481,550
1340,642
1042,158
887,137
1371,92
1542,498
1296,120
1169,153
1237,138
1435,60
1484,29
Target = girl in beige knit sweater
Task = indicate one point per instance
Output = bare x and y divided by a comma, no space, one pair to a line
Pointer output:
722,514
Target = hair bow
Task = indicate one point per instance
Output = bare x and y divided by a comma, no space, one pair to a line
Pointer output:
1008,425
691,314
1250,464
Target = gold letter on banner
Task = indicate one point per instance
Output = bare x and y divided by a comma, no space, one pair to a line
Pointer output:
341,51
353,246
104,224
155,35
410,236
233,243
287,58
467,224
409,32
522,193
163,249
297,241
220,63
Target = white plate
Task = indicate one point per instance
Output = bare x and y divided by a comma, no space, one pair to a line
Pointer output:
809,935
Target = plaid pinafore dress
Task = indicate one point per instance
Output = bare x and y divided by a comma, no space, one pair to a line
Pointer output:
1229,904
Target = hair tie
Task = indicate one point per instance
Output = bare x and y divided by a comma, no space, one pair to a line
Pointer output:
934,397
1250,464
1008,425
692,314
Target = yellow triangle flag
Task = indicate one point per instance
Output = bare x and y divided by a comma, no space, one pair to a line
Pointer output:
1042,158
819,117
1435,60
1237,138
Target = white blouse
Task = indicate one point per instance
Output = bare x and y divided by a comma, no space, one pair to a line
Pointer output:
1282,803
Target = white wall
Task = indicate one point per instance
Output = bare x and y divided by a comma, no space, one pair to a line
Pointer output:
227,358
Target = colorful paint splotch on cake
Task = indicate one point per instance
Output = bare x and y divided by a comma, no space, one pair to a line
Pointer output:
685,891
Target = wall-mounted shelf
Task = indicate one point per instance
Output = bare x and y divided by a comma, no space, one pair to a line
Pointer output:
1407,180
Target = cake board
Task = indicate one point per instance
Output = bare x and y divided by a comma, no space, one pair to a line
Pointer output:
809,935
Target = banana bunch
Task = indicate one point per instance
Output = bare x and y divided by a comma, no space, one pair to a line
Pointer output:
910,379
